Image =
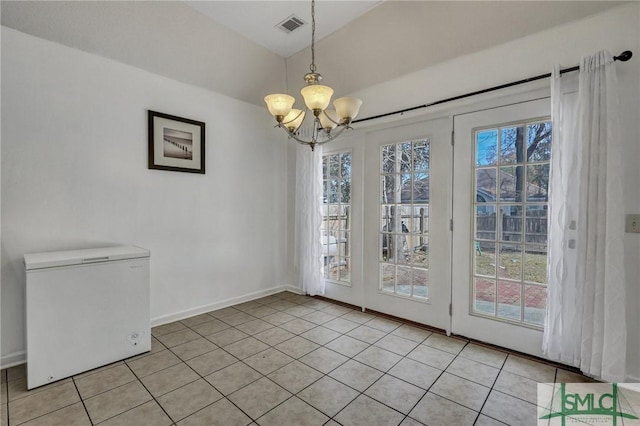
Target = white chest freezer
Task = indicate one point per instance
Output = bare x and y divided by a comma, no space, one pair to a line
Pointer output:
85,309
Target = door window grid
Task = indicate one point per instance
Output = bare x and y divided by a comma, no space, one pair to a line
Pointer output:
336,220
404,219
510,248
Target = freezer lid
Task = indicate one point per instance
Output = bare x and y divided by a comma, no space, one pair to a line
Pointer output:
55,259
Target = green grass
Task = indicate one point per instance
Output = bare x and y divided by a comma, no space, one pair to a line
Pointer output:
511,266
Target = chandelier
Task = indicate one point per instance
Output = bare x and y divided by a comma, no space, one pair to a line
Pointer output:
325,124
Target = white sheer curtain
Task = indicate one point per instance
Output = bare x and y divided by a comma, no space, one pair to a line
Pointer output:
308,220
585,321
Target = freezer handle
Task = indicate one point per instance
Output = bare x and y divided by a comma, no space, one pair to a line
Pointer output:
95,259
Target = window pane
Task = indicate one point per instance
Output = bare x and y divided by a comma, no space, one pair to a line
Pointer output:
511,222
420,283
487,147
538,182
345,269
421,155
511,183
405,191
421,187
510,265
511,145
325,167
405,159
536,224
386,214
404,280
345,191
535,303
485,258
388,186
539,142
333,195
420,256
486,222
484,295
535,264
388,159
343,243
509,300
345,166
486,185
388,274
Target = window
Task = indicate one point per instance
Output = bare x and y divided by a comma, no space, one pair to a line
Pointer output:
336,223
510,216
404,218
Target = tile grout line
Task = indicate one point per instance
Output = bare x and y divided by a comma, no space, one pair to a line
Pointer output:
152,396
81,400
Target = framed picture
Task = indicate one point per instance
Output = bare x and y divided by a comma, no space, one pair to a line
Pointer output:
175,143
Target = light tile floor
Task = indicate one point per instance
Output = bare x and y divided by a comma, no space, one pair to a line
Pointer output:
288,359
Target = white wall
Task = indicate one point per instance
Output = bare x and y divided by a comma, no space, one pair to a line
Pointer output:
616,30
74,174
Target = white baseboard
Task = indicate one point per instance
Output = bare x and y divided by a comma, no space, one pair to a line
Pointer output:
20,357
632,379
13,359
176,316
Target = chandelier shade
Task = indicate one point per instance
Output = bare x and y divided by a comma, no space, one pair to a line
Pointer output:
347,108
279,104
329,120
294,119
322,125
317,97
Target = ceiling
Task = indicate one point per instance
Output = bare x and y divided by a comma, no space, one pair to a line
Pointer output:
232,53
258,20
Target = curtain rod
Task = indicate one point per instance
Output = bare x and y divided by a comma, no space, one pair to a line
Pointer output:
623,57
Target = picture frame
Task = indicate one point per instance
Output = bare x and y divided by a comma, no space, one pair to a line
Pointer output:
176,143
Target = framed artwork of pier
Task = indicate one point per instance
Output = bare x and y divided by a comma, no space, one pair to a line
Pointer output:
175,143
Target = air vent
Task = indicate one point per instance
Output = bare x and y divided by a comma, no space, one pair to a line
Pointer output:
290,24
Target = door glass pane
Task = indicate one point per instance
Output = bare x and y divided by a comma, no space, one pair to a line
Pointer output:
511,183
336,221
509,300
487,148
421,283
539,142
485,258
510,245
536,224
486,222
404,218
538,182
388,277
484,295
510,259
486,186
535,264
511,222
535,302
511,144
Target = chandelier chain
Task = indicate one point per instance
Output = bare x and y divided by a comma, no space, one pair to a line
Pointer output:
312,67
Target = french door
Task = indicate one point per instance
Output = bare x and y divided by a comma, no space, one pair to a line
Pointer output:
407,175
499,255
